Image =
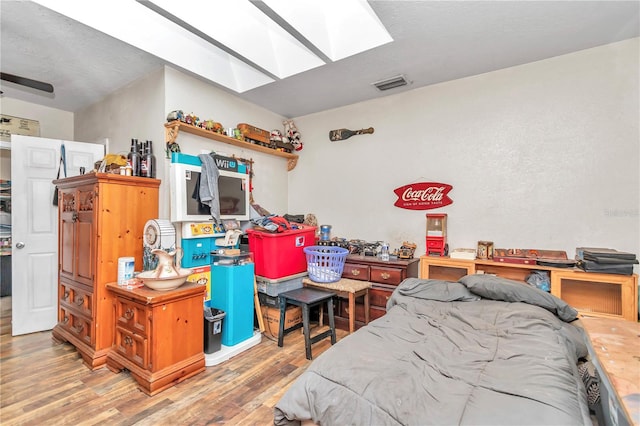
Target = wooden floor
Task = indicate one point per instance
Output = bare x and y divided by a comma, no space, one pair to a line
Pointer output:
43,383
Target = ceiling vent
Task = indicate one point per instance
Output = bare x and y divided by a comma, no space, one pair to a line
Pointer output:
391,83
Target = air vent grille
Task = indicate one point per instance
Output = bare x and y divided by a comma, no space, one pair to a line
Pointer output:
391,83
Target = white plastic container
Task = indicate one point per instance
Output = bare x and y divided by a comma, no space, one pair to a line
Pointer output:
126,266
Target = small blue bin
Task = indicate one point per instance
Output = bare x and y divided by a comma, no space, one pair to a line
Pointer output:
325,263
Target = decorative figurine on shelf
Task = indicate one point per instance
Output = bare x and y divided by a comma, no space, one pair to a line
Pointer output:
292,135
172,147
175,115
192,119
406,250
276,137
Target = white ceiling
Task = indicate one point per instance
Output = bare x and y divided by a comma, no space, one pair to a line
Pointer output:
434,41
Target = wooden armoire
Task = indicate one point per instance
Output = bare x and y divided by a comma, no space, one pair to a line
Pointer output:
101,218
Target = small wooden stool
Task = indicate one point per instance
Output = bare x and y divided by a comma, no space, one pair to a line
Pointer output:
346,288
306,298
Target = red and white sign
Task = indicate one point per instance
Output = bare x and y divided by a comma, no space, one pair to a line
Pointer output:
423,196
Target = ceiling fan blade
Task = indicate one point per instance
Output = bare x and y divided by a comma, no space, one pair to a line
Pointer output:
23,81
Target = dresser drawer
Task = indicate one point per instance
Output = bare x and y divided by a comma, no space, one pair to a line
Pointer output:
132,346
131,316
343,311
78,325
376,312
77,299
355,271
379,295
383,275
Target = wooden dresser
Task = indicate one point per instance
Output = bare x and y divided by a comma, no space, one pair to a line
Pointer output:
384,277
101,218
158,334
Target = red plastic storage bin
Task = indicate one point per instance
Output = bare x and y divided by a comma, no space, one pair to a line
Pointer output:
278,255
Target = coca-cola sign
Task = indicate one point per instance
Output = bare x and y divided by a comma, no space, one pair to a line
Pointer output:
423,196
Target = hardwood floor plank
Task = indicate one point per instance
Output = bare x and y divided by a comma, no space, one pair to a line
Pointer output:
44,383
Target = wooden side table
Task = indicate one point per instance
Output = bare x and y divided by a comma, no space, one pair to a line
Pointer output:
159,335
614,346
347,289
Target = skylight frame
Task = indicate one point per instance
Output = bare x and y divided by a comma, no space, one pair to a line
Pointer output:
139,26
244,29
339,28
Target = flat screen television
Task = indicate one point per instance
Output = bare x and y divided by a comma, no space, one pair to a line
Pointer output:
233,189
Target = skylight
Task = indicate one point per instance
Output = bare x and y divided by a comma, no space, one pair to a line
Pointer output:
234,42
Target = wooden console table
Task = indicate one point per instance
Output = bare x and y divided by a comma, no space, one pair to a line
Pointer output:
158,334
606,295
614,347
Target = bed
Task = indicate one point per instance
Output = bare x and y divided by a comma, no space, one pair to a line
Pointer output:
480,351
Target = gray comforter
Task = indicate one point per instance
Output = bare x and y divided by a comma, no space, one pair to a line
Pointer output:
445,355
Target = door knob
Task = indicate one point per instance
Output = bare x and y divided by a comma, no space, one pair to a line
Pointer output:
20,245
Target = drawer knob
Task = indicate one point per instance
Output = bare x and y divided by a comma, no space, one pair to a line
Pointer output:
355,272
128,314
385,275
66,295
79,328
79,300
128,341
65,320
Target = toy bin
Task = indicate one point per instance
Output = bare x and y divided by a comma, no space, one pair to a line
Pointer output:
273,287
278,255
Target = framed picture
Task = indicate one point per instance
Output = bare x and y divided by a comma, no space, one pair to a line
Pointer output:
10,125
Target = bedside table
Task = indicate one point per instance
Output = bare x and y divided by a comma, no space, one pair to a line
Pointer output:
158,335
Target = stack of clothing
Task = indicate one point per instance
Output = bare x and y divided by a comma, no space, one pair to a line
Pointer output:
606,261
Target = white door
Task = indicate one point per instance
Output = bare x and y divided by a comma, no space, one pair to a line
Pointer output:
34,226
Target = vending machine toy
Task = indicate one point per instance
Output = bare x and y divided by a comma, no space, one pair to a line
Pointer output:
437,234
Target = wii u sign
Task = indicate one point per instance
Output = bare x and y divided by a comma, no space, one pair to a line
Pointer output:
227,163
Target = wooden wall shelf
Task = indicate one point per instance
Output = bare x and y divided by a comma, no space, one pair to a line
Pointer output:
173,128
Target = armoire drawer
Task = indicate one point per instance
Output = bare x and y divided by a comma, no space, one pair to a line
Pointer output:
78,325
76,298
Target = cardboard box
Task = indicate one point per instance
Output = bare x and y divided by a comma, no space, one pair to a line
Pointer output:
271,316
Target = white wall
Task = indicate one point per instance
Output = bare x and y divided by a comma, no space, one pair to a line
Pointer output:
135,111
270,181
54,124
543,155
139,110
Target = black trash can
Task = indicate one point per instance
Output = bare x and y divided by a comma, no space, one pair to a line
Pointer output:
212,329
